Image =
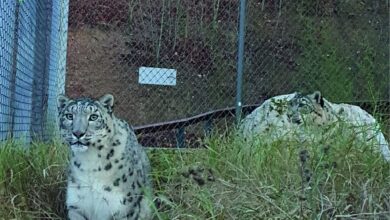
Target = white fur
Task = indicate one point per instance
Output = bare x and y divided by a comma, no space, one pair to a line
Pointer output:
362,120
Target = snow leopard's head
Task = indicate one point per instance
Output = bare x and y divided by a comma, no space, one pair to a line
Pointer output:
85,122
311,108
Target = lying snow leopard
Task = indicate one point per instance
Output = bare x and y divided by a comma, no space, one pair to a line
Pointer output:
108,171
283,116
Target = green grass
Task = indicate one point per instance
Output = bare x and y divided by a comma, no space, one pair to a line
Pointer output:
32,181
230,179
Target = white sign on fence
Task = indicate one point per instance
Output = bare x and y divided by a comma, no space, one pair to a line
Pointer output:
157,76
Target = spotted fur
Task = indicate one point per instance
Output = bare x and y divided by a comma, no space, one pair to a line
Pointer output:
289,116
108,171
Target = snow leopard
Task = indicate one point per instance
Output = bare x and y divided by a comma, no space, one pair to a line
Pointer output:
289,115
109,170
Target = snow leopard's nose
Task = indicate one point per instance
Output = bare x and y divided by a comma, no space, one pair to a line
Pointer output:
78,133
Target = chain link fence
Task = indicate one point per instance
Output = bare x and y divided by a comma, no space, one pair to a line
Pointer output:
339,48
110,41
32,66
165,61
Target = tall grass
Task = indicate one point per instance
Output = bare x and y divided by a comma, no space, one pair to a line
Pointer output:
32,181
284,180
230,179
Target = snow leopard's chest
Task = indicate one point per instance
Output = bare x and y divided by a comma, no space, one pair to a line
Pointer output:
100,203
104,194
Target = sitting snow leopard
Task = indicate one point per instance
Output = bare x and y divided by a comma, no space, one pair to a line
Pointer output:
108,171
289,115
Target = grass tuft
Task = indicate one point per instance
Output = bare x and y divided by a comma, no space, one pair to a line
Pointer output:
32,180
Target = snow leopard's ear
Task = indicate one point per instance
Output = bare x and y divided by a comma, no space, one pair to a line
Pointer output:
318,98
62,101
107,101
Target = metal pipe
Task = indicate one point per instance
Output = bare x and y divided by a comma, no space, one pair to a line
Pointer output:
240,62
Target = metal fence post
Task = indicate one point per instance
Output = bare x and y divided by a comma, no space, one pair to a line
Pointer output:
40,70
180,137
14,70
240,62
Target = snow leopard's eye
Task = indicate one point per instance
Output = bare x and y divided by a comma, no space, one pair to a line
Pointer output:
93,117
69,116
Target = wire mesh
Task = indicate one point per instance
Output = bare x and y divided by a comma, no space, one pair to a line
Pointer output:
7,25
56,66
110,41
339,48
29,53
